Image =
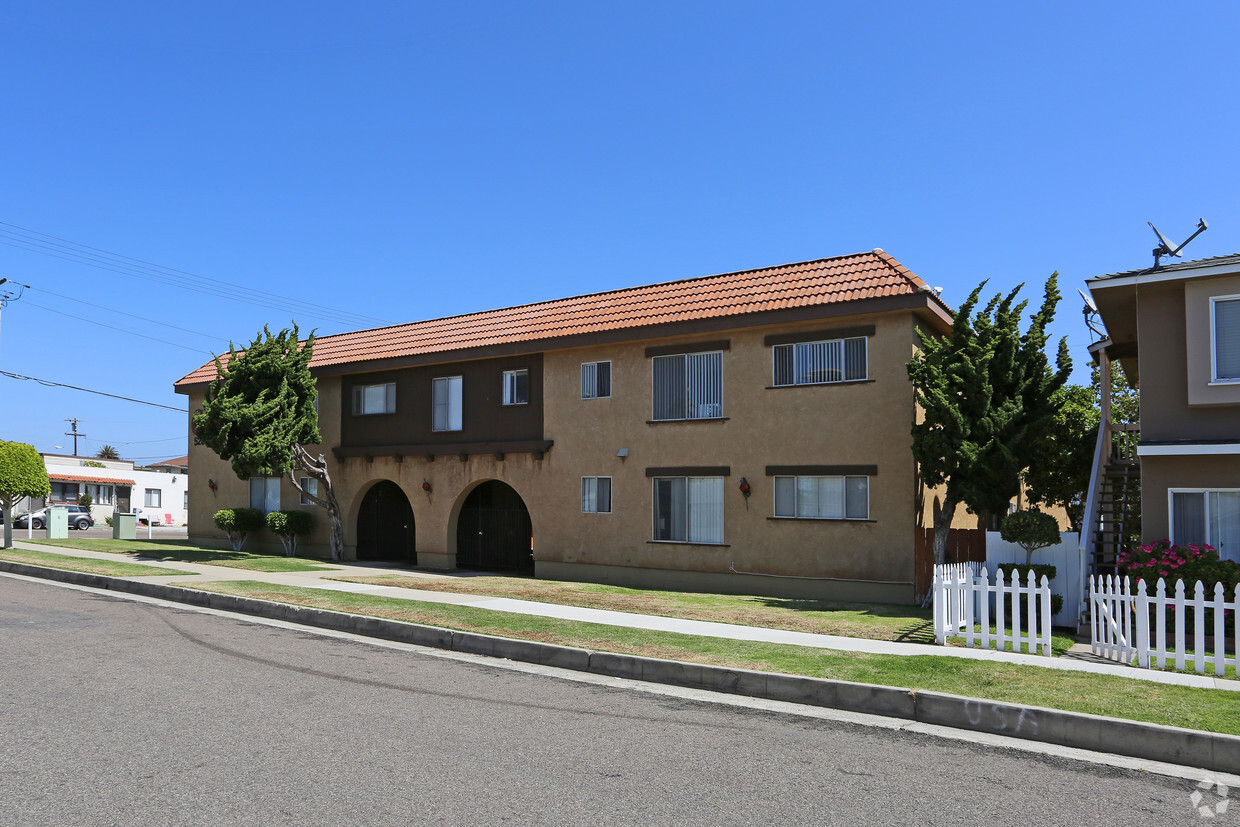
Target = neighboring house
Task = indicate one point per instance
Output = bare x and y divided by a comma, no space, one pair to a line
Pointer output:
744,432
113,485
1175,330
176,465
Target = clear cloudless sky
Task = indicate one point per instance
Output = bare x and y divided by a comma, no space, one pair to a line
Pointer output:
410,160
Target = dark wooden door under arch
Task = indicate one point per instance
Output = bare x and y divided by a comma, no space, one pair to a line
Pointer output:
494,531
385,529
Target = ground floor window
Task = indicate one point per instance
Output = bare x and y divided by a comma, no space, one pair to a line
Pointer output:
311,486
823,498
154,498
688,509
65,492
265,494
1211,517
596,495
99,494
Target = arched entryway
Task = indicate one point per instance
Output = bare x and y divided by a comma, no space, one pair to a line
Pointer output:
494,531
385,529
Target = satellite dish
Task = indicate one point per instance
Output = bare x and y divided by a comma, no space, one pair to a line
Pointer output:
1164,247
1089,300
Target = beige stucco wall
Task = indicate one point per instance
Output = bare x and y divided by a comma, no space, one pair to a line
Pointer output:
848,424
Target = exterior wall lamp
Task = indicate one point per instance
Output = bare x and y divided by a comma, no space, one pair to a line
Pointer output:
746,490
211,484
426,486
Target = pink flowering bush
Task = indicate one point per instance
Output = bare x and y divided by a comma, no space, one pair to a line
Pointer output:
1189,563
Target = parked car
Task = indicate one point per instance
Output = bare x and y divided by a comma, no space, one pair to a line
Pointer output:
79,518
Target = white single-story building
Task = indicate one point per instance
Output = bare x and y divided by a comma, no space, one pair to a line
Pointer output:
116,485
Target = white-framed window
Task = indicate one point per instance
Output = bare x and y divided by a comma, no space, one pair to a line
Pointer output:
823,498
64,492
374,399
99,494
819,363
688,509
1225,338
688,386
265,494
311,486
153,498
446,403
595,380
1207,516
596,495
517,387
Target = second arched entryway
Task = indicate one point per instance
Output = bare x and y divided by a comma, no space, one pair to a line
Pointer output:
385,529
494,531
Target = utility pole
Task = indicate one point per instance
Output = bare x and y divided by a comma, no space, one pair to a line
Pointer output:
7,294
74,433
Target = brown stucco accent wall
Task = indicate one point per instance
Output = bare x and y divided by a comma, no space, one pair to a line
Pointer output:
1160,474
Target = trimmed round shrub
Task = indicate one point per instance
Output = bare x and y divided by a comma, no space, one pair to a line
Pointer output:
1031,530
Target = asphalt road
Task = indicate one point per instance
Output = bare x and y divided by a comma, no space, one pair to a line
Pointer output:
118,712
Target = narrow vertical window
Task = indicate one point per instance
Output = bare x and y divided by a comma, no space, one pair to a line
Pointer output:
1226,340
446,403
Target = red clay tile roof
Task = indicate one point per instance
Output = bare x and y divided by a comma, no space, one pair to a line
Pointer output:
824,281
179,462
73,478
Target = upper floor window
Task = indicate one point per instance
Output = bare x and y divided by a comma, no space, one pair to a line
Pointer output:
517,387
311,487
824,498
595,380
374,399
1226,342
688,386
446,403
817,363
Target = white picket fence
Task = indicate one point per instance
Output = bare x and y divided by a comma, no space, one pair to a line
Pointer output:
1127,624
965,598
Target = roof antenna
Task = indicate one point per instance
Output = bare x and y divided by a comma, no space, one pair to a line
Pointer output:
1164,246
1091,310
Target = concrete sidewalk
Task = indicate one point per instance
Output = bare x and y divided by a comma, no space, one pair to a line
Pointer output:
316,579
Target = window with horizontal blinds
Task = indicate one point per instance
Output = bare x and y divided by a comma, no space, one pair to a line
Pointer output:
1227,339
818,363
688,386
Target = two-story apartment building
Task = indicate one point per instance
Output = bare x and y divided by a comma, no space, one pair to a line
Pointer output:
743,432
1175,330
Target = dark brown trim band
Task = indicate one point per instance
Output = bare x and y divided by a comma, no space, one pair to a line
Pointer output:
821,470
690,471
429,450
689,347
819,335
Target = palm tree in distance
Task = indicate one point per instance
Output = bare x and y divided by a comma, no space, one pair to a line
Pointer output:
108,452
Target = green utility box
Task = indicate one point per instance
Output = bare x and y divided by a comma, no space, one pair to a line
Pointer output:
124,526
58,523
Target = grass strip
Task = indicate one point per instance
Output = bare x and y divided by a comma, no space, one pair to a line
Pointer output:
873,621
85,564
1214,710
183,551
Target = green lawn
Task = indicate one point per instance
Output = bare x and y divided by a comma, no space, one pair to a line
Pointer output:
1206,709
876,621
186,552
85,564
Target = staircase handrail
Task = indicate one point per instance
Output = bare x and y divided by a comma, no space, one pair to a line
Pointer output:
1089,519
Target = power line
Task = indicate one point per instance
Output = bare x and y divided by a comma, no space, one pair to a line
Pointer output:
114,327
49,383
143,319
64,249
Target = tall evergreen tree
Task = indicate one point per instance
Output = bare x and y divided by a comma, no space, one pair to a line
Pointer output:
259,414
985,392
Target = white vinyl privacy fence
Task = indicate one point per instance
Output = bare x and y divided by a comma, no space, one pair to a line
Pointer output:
967,601
1130,625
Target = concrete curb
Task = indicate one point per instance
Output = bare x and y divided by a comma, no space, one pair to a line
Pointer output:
1188,747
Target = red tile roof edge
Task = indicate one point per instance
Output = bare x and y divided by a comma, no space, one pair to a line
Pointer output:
76,478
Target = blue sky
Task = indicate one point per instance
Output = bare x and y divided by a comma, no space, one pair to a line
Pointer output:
404,161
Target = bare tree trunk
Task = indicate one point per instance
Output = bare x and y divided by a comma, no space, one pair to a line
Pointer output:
942,525
326,497
7,504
